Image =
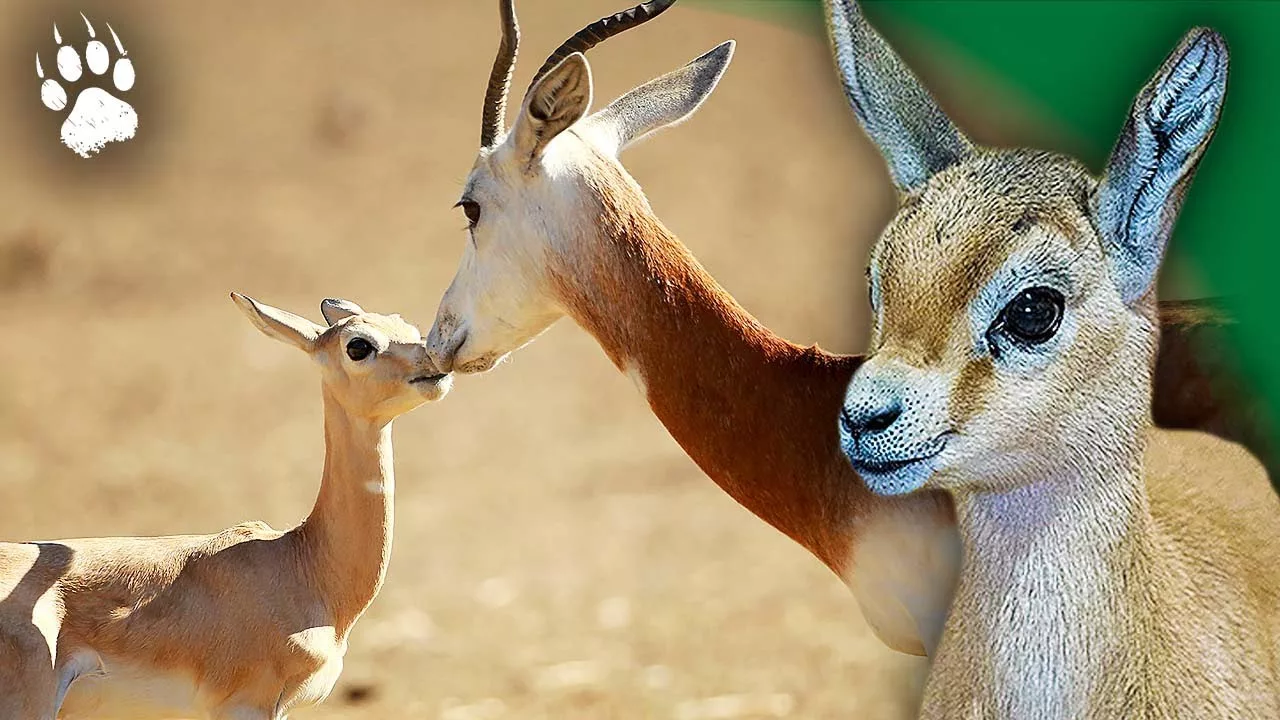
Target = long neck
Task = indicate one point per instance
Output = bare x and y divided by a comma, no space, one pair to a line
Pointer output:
1055,601
755,412
346,539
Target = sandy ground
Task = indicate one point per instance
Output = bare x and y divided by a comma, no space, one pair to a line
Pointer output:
557,555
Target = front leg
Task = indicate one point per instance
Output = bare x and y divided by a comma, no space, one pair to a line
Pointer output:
28,693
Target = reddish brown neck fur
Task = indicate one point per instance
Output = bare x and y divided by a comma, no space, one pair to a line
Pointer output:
755,412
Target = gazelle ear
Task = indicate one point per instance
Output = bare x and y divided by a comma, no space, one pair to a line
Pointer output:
915,137
335,309
1168,129
279,324
557,101
659,103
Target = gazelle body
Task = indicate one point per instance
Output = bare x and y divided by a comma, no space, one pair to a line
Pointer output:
560,228
250,622
1110,568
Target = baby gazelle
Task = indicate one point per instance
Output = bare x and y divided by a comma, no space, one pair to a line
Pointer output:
1110,569
249,623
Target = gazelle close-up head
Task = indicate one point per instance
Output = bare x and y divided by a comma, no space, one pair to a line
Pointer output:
537,193
374,366
1013,295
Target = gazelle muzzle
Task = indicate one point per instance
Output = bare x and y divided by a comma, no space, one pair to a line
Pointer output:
893,425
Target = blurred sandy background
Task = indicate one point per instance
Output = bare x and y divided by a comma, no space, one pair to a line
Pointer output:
557,555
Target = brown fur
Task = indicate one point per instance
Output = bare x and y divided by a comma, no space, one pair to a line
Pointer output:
1111,569
1211,392
757,412
249,622
559,227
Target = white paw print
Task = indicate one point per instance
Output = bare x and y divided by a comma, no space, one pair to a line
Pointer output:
97,117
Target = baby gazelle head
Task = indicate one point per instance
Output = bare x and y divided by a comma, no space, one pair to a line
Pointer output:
375,366
1013,294
533,199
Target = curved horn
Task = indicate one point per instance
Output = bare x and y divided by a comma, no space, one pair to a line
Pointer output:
601,30
493,121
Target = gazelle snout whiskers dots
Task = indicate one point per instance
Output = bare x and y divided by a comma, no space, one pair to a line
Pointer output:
1019,301
1110,568
558,227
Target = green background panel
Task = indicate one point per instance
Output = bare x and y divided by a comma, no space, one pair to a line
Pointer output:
1080,64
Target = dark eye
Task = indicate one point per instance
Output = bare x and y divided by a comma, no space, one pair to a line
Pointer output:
472,211
359,349
1033,316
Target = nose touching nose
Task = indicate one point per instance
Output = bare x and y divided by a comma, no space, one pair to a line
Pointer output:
442,344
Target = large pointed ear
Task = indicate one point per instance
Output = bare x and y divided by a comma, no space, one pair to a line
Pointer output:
659,103
335,309
915,137
1170,125
554,103
279,324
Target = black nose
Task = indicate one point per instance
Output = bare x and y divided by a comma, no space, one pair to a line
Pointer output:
882,419
864,421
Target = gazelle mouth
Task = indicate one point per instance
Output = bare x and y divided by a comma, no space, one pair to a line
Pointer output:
895,477
429,378
883,468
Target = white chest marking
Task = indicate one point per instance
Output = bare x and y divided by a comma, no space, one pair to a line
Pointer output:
637,378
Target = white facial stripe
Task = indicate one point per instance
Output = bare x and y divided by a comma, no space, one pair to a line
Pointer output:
877,303
470,190
1045,262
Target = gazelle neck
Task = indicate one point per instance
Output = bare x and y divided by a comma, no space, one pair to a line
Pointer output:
347,536
755,412
1057,582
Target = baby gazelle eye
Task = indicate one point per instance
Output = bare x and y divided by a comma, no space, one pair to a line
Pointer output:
359,349
1032,317
472,210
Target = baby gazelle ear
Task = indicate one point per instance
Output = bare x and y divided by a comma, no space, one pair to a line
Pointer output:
284,326
335,309
659,103
1168,128
557,101
915,137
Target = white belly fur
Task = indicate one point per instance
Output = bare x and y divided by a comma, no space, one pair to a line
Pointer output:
105,689
123,692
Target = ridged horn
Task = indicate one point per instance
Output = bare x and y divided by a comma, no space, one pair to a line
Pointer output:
494,119
603,29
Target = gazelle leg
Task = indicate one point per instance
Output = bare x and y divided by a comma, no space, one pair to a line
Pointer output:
28,681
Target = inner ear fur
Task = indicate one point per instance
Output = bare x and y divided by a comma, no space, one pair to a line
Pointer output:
1165,135
557,101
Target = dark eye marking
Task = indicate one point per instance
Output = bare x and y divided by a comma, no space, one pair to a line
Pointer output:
471,209
358,349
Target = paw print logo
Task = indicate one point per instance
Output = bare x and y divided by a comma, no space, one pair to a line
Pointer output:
97,116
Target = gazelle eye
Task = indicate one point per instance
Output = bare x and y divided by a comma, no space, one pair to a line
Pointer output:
472,210
1032,317
359,349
